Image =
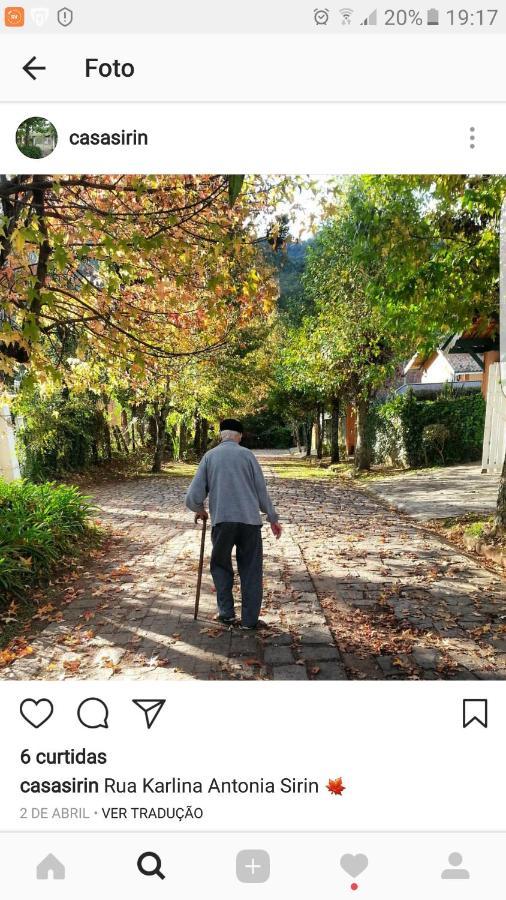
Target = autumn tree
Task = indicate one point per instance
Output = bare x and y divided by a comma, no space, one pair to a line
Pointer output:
127,265
348,349
431,246
134,276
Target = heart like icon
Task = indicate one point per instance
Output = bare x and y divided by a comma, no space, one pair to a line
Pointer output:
36,712
354,865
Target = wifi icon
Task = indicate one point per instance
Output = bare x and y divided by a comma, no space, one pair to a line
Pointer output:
346,14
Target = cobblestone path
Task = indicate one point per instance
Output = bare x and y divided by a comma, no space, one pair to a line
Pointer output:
352,590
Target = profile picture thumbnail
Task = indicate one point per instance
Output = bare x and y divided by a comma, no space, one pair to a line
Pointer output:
36,137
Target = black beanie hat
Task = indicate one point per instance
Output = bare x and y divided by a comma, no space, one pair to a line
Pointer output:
231,425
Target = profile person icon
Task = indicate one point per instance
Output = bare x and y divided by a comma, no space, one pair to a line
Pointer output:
456,873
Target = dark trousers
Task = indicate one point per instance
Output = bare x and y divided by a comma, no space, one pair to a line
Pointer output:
247,539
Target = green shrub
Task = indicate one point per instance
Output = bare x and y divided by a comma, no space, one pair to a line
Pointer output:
386,423
39,525
401,423
60,434
31,151
434,440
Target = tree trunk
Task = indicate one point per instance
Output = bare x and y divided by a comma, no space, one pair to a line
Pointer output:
320,420
500,513
120,440
107,440
334,432
160,417
363,455
152,431
138,414
204,435
197,438
116,433
308,428
124,441
183,438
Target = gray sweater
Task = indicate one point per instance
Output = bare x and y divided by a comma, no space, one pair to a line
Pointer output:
232,477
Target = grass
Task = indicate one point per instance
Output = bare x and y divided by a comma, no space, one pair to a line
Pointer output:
471,532
298,468
178,470
135,465
479,528
473,524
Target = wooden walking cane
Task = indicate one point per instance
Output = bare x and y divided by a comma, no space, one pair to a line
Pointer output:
201,565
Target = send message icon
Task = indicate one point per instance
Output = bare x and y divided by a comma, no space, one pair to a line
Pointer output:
14,16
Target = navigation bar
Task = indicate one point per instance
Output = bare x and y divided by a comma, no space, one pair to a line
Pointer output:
255,68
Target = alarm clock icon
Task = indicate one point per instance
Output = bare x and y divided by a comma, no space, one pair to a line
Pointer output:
321,16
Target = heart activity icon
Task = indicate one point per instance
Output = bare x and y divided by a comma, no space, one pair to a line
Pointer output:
354,865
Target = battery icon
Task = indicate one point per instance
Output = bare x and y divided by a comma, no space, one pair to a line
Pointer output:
433,17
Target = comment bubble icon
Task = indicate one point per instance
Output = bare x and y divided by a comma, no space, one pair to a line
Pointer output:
93,713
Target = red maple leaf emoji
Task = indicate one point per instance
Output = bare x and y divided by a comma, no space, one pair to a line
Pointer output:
336,786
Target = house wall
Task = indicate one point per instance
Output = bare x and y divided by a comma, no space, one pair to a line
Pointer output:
436,370
414,376
489,357
474,376
9,466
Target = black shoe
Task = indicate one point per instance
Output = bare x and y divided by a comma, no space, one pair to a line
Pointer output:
225,620
259,624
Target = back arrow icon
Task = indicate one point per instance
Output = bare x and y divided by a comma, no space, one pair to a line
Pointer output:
29,68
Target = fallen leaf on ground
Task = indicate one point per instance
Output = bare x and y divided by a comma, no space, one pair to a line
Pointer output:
71,665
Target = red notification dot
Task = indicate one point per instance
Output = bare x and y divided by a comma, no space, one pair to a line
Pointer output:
354,886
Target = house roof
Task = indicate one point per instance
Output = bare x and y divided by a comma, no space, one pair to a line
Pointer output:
481,336
416,361
460,363
464,363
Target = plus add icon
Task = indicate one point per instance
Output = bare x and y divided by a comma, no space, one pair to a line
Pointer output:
253,866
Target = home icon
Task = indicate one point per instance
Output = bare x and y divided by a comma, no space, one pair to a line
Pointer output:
50,867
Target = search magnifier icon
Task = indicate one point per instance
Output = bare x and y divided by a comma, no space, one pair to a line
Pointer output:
150,864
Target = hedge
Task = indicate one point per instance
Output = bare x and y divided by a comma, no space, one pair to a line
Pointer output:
59,435
404,433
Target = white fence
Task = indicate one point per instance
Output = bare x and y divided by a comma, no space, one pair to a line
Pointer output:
494,442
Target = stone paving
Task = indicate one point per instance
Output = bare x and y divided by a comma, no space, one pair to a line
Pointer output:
352,590
440,493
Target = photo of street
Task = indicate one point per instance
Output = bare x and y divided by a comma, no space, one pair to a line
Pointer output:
314,362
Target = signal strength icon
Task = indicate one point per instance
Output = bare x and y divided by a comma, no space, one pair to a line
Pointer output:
372,19
346,14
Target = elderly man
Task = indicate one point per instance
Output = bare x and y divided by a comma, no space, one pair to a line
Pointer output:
231,476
